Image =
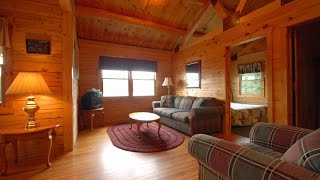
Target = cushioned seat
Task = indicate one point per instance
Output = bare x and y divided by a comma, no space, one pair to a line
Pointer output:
159,110
181,116
263,150
168,112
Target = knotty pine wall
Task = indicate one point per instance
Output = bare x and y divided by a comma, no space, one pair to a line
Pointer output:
249,53
271,24
39,19
117,109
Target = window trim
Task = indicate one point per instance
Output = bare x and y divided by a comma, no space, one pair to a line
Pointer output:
199,75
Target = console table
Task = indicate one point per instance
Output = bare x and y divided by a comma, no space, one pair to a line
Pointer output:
13,134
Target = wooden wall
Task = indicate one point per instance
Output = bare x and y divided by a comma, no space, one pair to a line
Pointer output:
39,19
118,108
246,54
273,25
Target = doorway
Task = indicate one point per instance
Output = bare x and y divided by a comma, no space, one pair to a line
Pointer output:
305,53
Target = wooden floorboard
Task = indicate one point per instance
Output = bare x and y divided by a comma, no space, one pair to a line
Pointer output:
95,157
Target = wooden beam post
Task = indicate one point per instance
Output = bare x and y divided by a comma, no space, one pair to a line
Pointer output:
197,23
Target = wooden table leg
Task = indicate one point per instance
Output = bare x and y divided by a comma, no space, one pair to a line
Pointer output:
92,118
138,128
50,146
4,159
159,123
15,150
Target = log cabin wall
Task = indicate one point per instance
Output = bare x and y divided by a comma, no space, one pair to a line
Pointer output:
117,109
271,23
245,54
42,20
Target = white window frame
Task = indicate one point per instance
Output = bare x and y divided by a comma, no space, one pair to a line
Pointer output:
131,85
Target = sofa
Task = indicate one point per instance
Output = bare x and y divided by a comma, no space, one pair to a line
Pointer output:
190,115
274,152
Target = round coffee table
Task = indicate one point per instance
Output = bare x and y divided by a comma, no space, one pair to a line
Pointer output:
144,117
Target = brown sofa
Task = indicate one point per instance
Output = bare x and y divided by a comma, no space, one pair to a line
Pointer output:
190,115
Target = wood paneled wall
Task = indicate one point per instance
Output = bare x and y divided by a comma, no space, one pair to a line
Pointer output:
248,53
210,48
117,108
40,19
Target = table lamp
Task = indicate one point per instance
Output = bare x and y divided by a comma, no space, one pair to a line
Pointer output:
167,82
29,83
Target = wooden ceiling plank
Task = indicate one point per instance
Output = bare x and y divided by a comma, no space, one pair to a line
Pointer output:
86,11
261,11
221,11
197,23
240,6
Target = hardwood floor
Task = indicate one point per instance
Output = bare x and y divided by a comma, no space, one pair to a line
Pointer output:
95,157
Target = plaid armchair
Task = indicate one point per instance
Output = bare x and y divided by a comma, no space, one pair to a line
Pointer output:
259,159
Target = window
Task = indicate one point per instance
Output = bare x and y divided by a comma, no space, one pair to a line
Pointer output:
251,83
193,75
143,83
116,83
1,63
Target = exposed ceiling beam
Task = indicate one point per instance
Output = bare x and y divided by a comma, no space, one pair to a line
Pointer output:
241,5
221,11
66,5
93,12
196,23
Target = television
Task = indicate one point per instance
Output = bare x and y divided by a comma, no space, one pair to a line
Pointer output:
92,99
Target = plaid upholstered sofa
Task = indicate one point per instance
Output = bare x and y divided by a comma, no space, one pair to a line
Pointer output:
190,115
262,158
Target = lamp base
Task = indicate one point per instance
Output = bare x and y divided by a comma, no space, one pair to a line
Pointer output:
31,108
31,124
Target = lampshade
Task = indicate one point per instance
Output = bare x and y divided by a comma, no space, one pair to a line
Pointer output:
167,82
27,83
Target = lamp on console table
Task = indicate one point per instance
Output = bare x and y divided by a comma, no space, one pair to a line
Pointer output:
167,82
29,83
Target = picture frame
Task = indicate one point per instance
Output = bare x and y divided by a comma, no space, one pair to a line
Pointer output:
35,46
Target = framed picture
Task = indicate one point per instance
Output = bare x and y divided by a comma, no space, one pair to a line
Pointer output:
37,46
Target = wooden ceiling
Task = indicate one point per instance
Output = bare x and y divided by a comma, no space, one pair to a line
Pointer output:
156,24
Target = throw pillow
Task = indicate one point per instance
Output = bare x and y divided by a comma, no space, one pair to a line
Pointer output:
305,152
167,101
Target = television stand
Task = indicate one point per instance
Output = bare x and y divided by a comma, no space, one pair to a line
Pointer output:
88,115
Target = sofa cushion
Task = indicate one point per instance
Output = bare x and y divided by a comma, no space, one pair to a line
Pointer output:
168,112
159,110
181,116
186,103
305,152
263,150
167,101
177,101
199,102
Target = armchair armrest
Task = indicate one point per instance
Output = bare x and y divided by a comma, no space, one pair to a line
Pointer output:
156,104
276,137
231,161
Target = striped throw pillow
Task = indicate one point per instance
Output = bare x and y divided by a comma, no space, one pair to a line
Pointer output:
305,152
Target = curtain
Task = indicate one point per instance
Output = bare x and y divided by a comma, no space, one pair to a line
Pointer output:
193,67
249,68
126,64
4,32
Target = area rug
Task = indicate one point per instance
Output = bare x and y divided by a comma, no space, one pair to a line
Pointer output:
125,138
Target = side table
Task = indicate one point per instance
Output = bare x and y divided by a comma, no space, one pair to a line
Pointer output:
13,134
90,115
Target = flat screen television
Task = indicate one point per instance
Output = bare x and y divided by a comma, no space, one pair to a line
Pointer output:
92,99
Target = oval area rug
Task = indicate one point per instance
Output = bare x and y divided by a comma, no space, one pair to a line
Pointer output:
125,138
